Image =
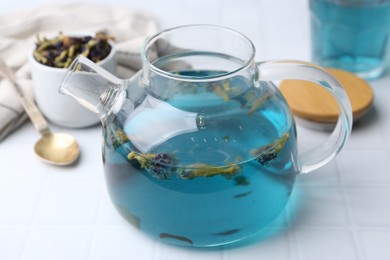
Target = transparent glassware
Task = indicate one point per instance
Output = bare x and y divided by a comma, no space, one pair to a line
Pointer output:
199,147
352,35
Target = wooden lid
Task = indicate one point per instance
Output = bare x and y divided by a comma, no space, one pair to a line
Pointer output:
312,102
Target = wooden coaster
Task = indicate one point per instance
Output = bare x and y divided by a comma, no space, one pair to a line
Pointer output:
314,103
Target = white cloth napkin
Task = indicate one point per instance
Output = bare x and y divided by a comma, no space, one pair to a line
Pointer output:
18,31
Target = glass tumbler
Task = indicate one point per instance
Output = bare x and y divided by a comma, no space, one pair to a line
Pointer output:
351,34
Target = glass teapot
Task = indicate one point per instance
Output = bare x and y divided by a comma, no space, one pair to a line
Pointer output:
199,147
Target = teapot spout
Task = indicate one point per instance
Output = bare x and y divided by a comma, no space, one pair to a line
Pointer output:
93,87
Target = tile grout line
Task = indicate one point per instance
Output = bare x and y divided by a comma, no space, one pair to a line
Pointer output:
353,226
34,223
292,236
96,229
292,243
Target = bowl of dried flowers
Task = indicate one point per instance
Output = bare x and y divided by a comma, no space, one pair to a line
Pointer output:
49,59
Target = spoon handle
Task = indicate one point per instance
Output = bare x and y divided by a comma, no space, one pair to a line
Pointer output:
29,106
35,115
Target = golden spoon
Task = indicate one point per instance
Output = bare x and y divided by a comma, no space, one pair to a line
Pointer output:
57,148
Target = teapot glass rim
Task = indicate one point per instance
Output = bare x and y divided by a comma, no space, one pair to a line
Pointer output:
220,76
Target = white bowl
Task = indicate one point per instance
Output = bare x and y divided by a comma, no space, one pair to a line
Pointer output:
57,108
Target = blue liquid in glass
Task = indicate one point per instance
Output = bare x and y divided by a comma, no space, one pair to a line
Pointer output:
214,210
351,36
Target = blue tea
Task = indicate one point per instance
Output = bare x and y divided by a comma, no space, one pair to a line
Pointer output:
199,147
215,182
351,34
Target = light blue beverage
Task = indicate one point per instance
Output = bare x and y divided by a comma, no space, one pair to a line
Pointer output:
351,34
219,188
200,147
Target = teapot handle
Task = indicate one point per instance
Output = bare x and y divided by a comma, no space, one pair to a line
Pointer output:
317,156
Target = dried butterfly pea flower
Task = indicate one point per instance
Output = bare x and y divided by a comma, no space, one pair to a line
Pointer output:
60,51
180,238
221,89
257,103
164,166
206,170
160,165
227,232
269,152
241,181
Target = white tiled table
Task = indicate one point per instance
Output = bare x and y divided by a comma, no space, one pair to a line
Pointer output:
48,212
